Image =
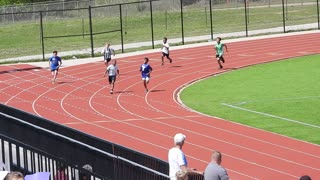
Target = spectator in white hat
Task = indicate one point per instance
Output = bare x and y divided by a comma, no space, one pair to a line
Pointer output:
178,164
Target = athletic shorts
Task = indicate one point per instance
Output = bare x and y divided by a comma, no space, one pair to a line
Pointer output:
112,79
54,68
107,60
145,77
219,56
166,55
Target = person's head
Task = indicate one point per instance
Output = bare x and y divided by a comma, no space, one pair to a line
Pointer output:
107,44
216,157
84,175
305,177
55,53
146,60
218,39
114,62
165,39
14,175
179,139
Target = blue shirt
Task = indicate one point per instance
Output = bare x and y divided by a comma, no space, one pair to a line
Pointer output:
145,69
54,61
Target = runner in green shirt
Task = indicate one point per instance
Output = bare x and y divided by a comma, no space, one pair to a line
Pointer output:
219,52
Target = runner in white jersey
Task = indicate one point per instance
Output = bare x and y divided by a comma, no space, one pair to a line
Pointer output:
165,51
113,72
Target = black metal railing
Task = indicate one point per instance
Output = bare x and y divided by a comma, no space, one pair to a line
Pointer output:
33,144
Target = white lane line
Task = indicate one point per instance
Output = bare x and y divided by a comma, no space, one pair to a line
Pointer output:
186,58
246,55
132,119
275,54
278,99
270,115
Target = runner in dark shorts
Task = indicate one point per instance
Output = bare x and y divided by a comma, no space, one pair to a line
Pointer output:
165,51
112,71
54,64
107,53
219,52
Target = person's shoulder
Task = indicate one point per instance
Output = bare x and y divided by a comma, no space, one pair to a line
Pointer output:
174,151
221,169
177,150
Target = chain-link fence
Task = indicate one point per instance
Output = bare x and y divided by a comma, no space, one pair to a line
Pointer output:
74,31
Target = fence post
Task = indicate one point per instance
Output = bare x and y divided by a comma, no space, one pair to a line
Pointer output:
283,17
41,36
152,36
287,17
318,14
211,25
182,30
245,16
166,17
121,28
91,35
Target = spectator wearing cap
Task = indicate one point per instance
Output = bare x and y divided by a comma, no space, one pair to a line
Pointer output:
178,164
214,171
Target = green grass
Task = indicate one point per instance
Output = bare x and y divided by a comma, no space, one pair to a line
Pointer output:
288,89
23,38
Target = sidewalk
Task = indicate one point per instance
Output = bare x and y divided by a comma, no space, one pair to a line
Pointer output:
176,40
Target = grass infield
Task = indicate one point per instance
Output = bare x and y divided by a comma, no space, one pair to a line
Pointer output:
281,97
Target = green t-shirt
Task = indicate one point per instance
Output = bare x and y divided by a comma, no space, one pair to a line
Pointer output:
219,48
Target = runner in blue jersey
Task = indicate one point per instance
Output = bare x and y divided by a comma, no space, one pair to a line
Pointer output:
145,70
54,64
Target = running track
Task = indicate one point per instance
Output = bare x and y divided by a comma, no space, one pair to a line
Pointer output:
146,122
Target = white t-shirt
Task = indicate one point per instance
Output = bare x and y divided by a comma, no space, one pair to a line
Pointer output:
165,48
176,158
112,70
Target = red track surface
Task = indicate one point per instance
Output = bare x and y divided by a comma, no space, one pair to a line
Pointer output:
147,122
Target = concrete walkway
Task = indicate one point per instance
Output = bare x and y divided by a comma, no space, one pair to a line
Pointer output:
176,40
